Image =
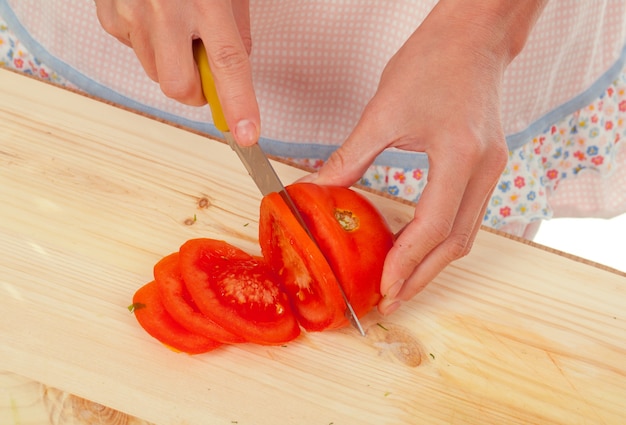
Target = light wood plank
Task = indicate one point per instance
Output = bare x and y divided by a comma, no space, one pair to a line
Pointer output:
92,196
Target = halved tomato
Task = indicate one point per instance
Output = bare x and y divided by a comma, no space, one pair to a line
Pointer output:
237,291
152,316
180,305
352,242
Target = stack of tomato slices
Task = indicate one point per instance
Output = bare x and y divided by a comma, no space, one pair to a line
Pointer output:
211,293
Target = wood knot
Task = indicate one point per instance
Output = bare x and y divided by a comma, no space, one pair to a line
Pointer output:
204,203
65,409
396,342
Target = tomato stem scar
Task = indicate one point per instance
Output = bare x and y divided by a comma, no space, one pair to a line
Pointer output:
348,220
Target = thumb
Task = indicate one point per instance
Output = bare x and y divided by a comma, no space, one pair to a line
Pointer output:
348,163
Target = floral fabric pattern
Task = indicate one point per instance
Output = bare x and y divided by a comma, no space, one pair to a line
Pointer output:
14,56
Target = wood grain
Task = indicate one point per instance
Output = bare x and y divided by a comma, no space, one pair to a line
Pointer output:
92,196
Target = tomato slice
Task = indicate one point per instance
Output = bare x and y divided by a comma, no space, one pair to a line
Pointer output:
351,233
301,266
180,305
152,316
237,291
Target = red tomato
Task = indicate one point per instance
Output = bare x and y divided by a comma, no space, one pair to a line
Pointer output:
237,291
353,237
180,305
212,291
155,320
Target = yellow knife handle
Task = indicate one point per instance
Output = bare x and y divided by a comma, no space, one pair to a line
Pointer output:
208,85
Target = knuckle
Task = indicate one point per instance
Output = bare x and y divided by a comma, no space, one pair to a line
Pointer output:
458,246
475,150
116,20
106,23
176,89
109,24
472,149
332,171
247,43
229,58
500,154
438,231
452,244
478,148
337,160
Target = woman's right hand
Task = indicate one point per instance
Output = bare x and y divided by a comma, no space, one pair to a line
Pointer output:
161,33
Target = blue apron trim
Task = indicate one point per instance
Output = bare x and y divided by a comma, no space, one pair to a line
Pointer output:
583,99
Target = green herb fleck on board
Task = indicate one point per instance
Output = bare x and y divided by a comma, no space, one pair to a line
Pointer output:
380,325
246,224
432,356
387,394
15,411
136,306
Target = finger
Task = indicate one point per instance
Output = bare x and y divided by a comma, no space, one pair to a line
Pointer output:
232,73
458,243
432,223
466,225
117,19
110,21
348,163
174,62
145,53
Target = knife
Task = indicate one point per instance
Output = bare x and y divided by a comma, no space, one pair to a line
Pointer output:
256,162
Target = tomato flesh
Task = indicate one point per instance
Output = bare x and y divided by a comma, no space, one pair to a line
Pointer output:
237,291
301,267
180,305
251,289
154,319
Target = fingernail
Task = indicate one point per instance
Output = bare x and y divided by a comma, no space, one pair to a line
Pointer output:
394,290
391,308
246,133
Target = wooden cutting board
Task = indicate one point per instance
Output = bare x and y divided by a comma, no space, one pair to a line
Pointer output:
91,196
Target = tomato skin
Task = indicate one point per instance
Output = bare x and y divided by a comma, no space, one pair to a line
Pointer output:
154,319
179,304
237,291
367,245
351,233
301,267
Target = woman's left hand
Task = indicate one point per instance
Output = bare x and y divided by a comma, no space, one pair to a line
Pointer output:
440,94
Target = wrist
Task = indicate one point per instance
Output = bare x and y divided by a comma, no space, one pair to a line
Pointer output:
495,27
